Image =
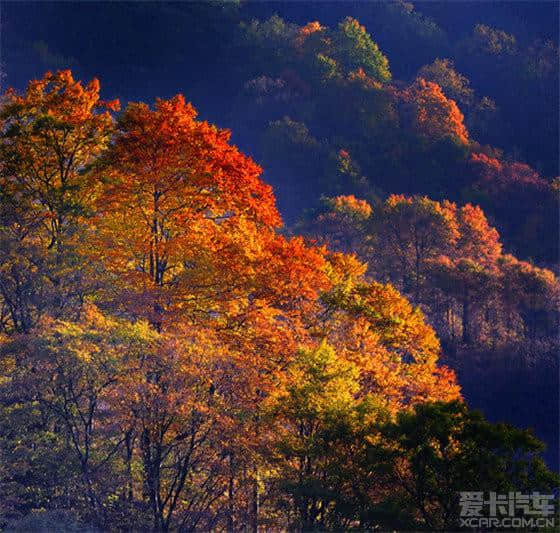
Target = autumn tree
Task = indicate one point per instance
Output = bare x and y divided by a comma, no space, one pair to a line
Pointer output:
49,137
506,187
481,113
186,229
455,85
318,421
354,48
383,126
373,326
63,375
140,418
181,195
470,283
479,240
409,233
341,223
469,274
171,399
201,370
435,115
449,259
531,293
346,48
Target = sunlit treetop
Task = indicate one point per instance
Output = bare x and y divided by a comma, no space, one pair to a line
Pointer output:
478,240
50,135
499,174
354,48
60,96
305,31
168,147
455,85
436,115
333,52
351,206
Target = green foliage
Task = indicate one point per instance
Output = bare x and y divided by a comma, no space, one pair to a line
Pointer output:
333,449
451,449
269,42
322,427
354,49
324,386
37,466
327,67
55,396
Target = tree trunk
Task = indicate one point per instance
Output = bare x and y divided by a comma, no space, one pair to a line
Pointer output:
256,502
231,503
466,318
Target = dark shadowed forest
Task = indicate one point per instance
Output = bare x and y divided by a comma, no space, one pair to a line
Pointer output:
274,266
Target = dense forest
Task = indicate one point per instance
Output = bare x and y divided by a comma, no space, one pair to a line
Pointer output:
287,323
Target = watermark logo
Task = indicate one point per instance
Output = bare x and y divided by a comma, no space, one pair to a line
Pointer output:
511,510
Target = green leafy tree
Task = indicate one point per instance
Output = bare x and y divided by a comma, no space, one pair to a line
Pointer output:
354,48
440,449
320,424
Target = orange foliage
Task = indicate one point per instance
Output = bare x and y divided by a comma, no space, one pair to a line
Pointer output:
305,31
377,329
486,161
479,241
61,128
181,209
213,303
500,175
436,115
360,77
352,206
